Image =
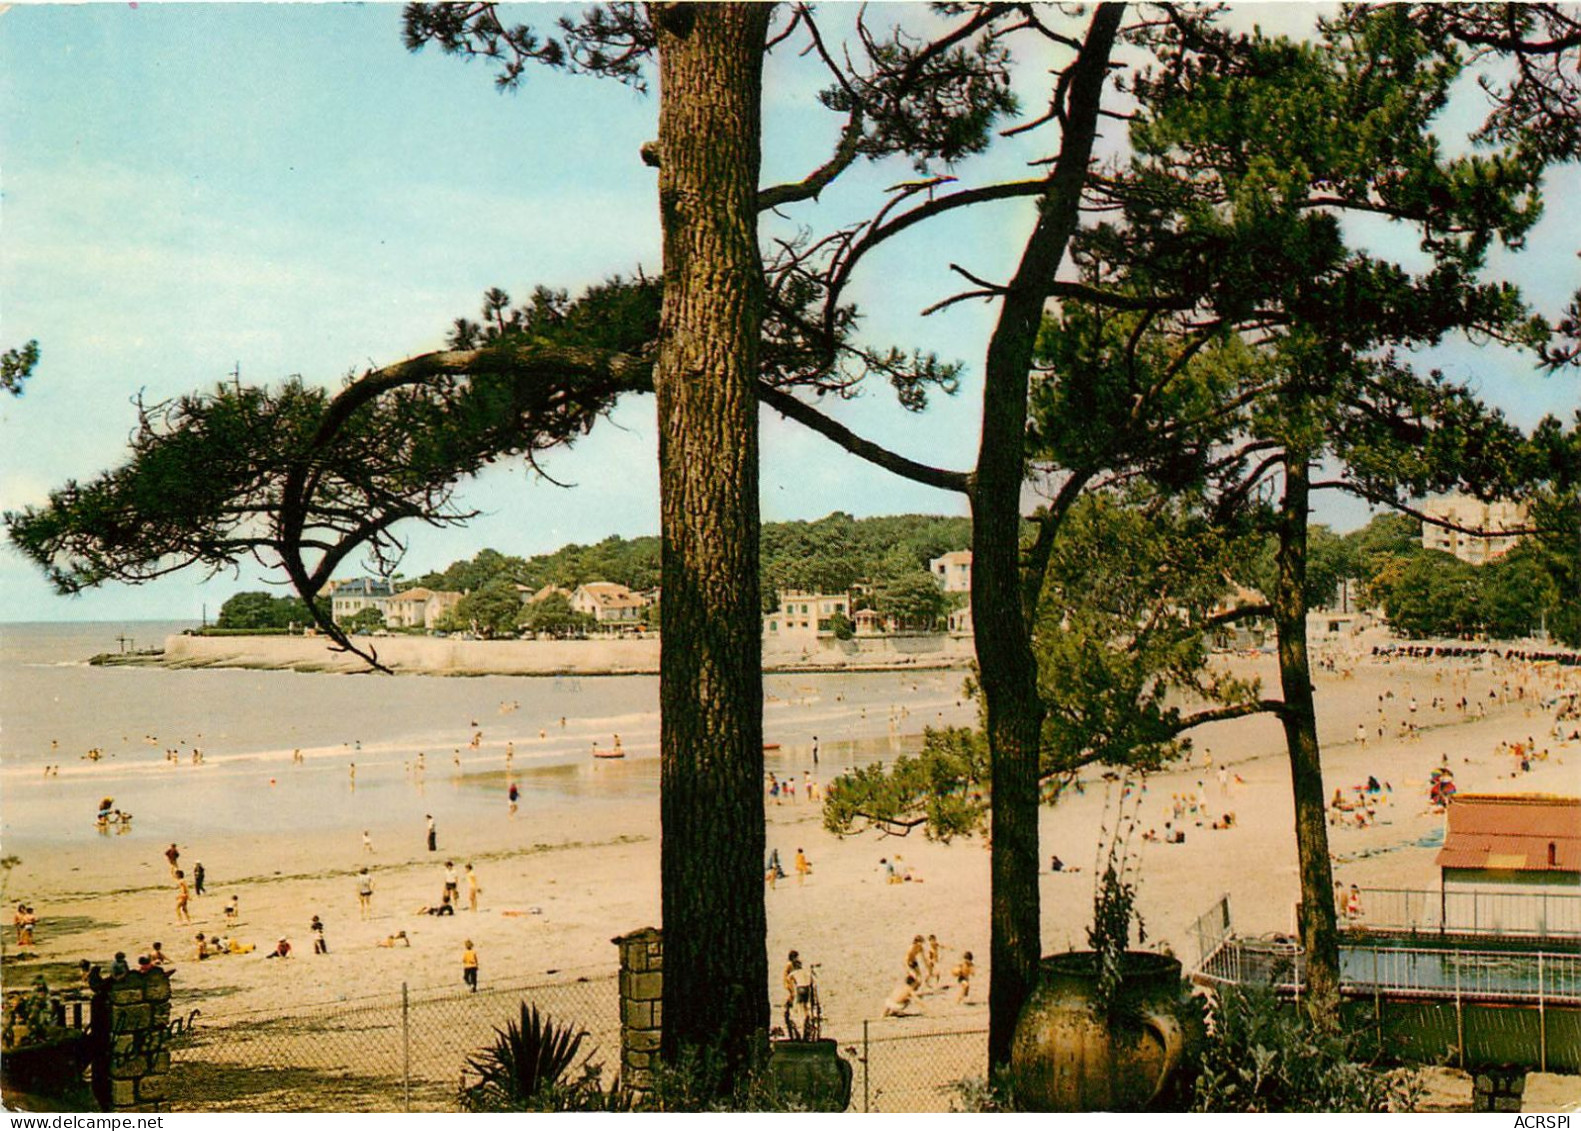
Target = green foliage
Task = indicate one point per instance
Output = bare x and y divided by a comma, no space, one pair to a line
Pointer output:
841,626
1124,626
1114,898
16,366
553,615
1432,593
1122,635
492,609
828,555
913,599
255,610
943,789
364,620
1265,1055
704,1080
527,1066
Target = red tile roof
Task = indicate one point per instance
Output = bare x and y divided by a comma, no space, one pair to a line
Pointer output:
1513,833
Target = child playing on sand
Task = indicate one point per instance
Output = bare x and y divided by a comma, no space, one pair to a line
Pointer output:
317,927
469,967
472,889
962,973
183,896
903,1002
803,867
930,959
365,893
914,959
233,911
399,937
282,949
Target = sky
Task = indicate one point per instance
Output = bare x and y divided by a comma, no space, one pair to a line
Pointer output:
189,191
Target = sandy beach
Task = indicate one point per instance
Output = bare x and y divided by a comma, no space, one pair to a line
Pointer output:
578,863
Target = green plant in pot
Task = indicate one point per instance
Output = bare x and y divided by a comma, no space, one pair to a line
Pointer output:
1105,1029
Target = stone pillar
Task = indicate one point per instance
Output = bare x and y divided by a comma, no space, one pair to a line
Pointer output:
641,1005
1497,1089
131,1022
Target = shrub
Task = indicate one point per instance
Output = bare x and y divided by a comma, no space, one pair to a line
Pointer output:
1264,1055
527,1067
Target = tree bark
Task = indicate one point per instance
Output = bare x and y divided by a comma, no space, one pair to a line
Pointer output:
1003,626
1319,933
710,683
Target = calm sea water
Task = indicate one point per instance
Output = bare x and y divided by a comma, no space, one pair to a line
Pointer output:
55,707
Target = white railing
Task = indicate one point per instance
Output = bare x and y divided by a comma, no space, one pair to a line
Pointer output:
1548,915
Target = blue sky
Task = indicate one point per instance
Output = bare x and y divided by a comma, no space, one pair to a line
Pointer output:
189,188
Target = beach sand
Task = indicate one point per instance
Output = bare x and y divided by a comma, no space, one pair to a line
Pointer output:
591,868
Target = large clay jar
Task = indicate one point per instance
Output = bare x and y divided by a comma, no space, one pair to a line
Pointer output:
813,1071
1066,1055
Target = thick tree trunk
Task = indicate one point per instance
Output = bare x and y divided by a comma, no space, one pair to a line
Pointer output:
1003,625
710,684
1319,933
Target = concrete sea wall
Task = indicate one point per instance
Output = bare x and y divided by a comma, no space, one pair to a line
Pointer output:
423,655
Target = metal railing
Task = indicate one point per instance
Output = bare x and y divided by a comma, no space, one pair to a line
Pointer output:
1543,977
1548,915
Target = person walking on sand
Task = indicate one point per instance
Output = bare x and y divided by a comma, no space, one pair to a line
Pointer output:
433,834
183,896
172,854
469,967
452,883
930,959
365,893
233,911
367,841
317,927
197,878
803,867
914,959
472,889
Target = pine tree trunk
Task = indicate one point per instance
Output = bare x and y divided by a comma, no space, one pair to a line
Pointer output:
710,684
1319,933
1002,621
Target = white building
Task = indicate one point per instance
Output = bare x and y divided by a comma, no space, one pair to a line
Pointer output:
806,614
419,607
348,598
610,603
1495,519
953,571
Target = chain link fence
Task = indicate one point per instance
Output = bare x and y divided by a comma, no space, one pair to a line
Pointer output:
392,1052
406,1051
898,1071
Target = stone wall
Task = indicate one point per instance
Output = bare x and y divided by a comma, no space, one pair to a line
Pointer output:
641,1005
131,1061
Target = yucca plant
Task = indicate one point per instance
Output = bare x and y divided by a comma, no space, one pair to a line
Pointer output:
527,1066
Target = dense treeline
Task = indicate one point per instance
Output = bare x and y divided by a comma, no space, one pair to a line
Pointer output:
1383,566
827,555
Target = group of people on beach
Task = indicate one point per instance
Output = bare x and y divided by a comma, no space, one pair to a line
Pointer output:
923,965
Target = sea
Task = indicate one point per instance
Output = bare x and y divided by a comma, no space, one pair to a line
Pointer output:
375,750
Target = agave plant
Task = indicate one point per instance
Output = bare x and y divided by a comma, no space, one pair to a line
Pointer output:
527,1066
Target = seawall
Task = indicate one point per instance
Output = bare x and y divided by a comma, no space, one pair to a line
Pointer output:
425,655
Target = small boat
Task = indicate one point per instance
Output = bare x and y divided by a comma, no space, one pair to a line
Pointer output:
771,746
617,752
